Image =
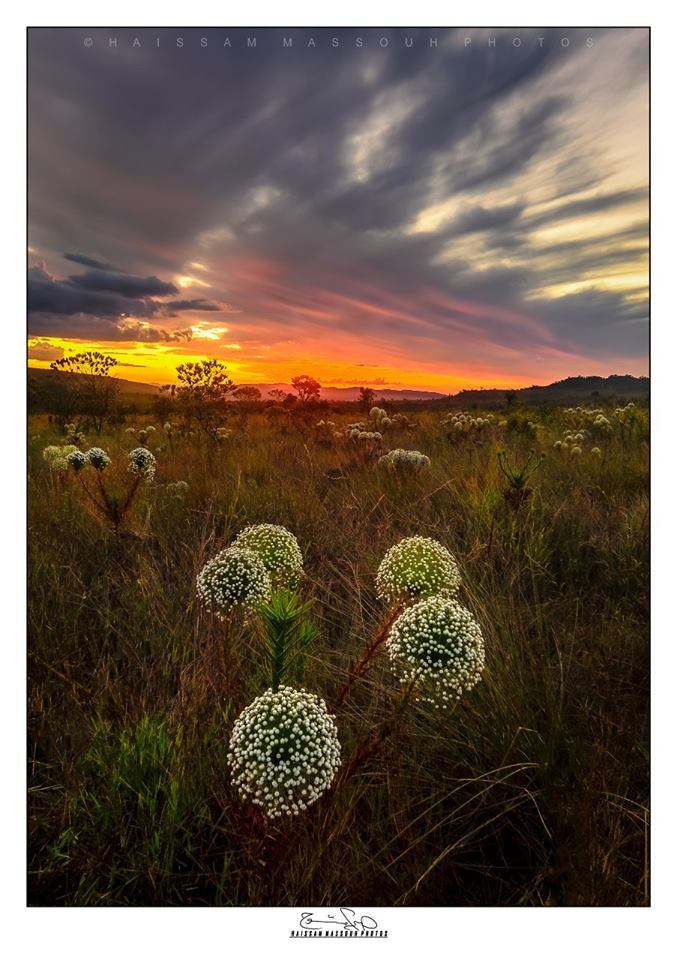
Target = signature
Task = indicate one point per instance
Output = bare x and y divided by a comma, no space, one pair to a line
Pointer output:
344,917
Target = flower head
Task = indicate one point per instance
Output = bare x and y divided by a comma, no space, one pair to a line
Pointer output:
284,751
417,567
98,458
277,548
404,461
233,578
56,456
77,460
177,489
438,645
142,463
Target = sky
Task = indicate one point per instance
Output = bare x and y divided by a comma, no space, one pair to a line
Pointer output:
391,214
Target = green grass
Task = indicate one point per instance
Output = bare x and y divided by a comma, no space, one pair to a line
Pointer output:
532,790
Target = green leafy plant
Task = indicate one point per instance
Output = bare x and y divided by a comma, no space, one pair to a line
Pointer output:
287,633
518,491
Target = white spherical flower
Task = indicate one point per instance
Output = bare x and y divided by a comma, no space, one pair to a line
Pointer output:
52,453
278,549
98,458
142,463
596,452
284,751
57,456
576,451
233,578
177,489
405,461
437,644
77,460
417,567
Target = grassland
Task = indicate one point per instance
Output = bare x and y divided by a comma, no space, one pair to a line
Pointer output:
533,790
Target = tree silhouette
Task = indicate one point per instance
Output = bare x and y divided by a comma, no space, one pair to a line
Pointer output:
277,395
367,398
202,394
307,388
89,382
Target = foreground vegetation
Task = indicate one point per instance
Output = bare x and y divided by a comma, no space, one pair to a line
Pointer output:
531,790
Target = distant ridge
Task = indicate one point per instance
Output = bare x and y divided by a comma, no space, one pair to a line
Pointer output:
569,389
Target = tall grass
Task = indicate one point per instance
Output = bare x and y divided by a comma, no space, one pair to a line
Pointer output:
532,790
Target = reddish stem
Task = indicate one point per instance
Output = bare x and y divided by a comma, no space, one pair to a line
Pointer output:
357,668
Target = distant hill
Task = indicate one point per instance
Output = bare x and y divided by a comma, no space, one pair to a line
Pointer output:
570,390
350,394
43,378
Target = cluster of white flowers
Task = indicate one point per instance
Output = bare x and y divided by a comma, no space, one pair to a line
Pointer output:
326,431
359,432
404,462
462,425
142,463
379,418
573,440
142,434
438,644
403,421
417,567
222,433
167,427
588,419
98,458
284,751
235,577
601,425
177,489
73,434
57,456
77,460
277,548
572,444
624,414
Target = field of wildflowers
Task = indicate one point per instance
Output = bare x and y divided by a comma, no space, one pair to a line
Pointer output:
307,658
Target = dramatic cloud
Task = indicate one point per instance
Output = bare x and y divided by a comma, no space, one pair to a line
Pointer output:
105,295
87,261
43,350
461,210
123,284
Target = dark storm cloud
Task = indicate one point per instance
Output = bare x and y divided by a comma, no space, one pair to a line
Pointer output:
122,283
318,162
87,261
123,296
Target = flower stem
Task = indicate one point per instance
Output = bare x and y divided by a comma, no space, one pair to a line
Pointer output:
372,747
357,668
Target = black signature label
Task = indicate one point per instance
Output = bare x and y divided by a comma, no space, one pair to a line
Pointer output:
341,922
